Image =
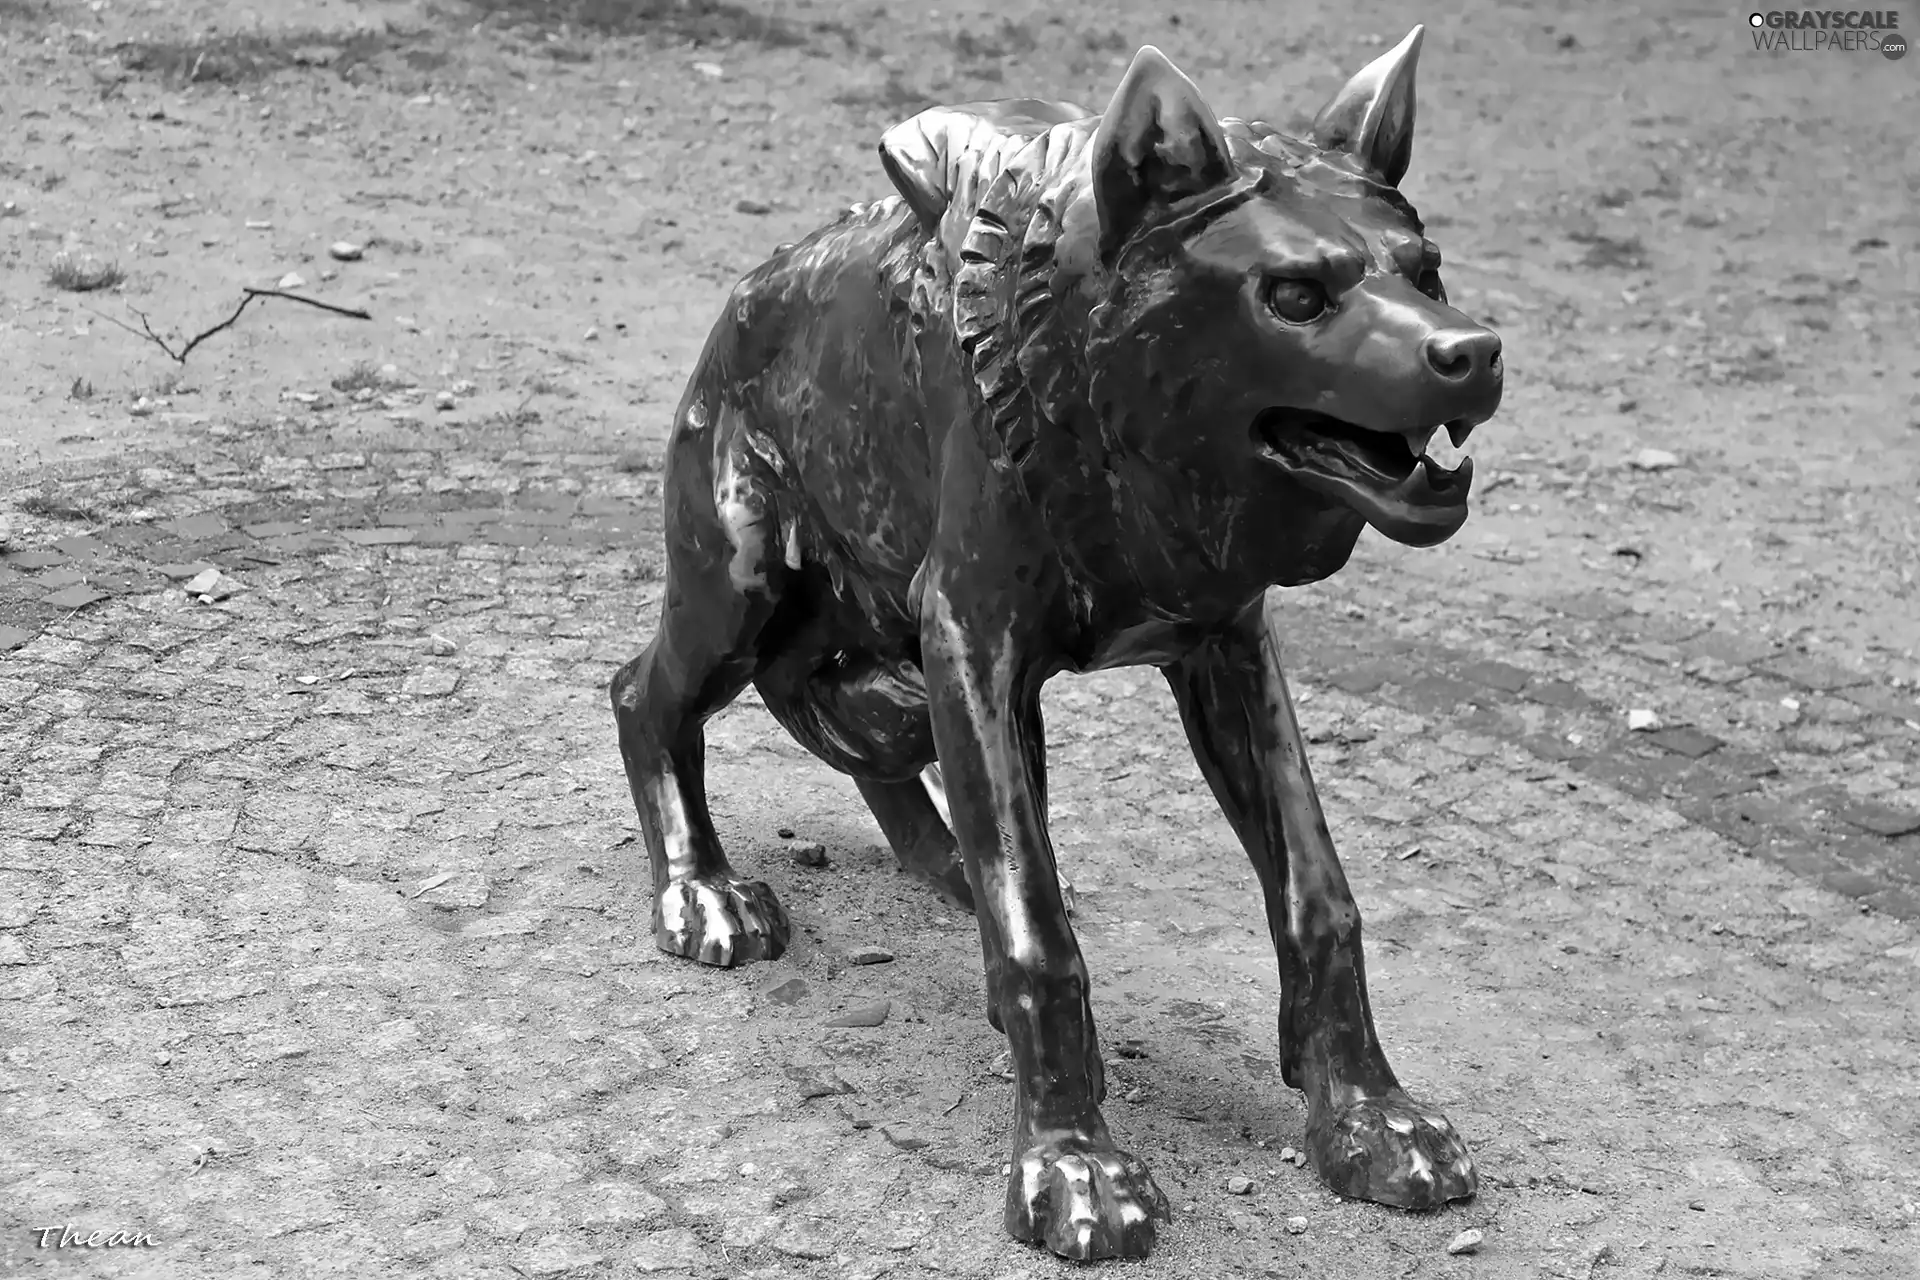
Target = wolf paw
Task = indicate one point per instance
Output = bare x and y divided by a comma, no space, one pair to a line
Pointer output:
1392,1151
720,920
1083,1199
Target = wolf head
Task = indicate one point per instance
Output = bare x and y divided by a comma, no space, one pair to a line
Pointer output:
1286,295
1248,328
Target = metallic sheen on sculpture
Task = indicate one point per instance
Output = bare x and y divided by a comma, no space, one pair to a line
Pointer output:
1075,399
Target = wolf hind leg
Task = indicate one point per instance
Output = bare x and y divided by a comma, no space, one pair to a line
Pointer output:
923,842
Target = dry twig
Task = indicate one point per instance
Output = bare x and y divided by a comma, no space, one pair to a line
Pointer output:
180,357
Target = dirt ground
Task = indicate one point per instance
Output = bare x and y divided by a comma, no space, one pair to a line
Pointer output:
323,943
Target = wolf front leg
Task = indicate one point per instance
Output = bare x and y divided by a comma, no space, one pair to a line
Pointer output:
1365,1136
1071,1187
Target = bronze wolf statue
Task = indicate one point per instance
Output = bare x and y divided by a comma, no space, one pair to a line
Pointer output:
1075,399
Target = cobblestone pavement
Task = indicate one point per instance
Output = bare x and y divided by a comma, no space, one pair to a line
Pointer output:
343,866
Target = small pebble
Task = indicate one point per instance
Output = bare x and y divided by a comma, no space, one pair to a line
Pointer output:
1296,1226
209,586
870,955
1240,1186
162,1058
1136,1095
1286,1153
1640,720
591,335
291,280
759,208
1299,1159
787,992
440,646
785,833
1698,1206
1467,1241
464,387
444,400
809,853
345,251
1654,460
866,1015
1626,404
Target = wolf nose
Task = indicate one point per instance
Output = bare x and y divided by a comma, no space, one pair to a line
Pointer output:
1459,354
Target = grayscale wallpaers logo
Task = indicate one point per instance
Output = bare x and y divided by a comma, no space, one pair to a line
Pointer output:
1829,31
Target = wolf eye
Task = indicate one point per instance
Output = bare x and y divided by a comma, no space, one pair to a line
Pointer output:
1295,301
1429,284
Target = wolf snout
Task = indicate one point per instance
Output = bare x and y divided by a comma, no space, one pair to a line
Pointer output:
1463,355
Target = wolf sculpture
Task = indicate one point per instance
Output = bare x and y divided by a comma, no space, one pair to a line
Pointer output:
1077,397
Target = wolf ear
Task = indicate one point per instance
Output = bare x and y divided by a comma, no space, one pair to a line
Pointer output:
1157,142
1372,116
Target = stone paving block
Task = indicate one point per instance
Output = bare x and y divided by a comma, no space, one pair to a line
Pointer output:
74,597
1562,694
582,537
1804,860
34,559
114,831
41,824
1850,883
1645,777
1708,783
80,545
196,528
130,537
277,528
1437,695
1714,671
1660,628
1686,741
383,537
280,823
471,516
1749,764
1901,704
1749,820
185,568
1881,819
54,579
1590,606
434,682
1667,655
539,518
13,638
1898,903
1495,675
1810,672
294,544
1730,647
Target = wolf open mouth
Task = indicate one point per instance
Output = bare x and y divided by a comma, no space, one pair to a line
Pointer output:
1405,495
